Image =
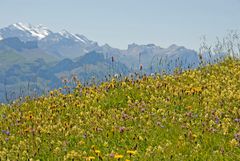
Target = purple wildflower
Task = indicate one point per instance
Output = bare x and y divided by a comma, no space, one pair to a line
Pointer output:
237,120
6,132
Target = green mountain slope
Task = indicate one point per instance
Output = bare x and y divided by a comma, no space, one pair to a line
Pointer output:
9,57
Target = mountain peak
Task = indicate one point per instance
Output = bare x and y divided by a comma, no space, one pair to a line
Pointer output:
173,46
28,32
20,25
69,35
133,45
38,31
64,32
176,47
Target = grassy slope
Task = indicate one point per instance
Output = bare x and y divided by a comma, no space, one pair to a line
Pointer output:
10,57
194,115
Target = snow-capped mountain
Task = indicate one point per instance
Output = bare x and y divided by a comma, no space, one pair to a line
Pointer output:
36,31
59,44
28,32
25,32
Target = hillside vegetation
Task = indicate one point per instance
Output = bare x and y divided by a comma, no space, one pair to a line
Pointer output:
194,115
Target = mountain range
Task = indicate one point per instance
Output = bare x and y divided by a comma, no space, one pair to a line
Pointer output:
34,58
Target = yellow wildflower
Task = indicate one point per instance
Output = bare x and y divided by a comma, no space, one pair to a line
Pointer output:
233,142
97,151
132,152
118,156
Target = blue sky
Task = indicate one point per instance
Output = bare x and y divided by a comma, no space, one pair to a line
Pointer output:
121,22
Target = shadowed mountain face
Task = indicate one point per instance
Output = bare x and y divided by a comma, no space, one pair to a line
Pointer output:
34,58
18,45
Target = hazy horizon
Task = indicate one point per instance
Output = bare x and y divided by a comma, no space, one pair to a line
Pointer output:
124,22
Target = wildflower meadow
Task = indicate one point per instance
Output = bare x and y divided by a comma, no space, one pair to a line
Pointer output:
189,115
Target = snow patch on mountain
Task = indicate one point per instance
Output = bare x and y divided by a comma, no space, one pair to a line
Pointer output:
83,38
69,35
39,31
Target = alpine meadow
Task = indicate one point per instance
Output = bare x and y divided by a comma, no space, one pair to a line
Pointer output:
65,97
